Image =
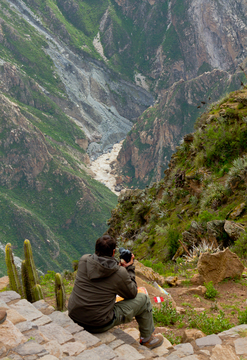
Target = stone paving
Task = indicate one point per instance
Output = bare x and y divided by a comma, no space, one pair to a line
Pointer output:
37,331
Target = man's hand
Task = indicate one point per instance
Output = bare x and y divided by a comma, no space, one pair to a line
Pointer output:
124,264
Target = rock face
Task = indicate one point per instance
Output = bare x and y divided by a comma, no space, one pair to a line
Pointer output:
219,266
233,230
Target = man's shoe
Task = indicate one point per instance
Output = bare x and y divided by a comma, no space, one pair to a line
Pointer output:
153,342
3,315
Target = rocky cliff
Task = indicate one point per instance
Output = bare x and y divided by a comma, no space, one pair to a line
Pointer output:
200,37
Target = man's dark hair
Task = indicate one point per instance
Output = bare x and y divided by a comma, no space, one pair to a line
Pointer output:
105,245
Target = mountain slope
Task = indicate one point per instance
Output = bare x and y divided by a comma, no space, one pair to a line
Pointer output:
202,197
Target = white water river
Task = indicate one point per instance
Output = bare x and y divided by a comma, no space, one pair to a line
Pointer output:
102,169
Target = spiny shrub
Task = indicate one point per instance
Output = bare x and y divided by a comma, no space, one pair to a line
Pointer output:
238,170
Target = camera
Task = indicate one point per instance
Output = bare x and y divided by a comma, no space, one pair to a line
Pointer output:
125,254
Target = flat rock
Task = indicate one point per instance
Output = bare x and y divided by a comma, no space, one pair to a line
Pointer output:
199,290
135,333
44,307
161,350
27,310
184,349
4,281
30,348
73,328
191,357
37,335
172,357
14,357
55,332
73,348
223,352
126,338
43,320
61,319
102,352
3,305
15,317
8,296
49,357
210,340
241,346
233,332
116,343
54,348
86,338
25,326
106,337
128,352
10,336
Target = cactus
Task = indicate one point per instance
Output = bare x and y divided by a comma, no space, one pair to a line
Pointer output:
60,292
14,280
30,278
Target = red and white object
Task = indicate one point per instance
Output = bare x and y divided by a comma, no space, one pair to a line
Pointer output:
158,299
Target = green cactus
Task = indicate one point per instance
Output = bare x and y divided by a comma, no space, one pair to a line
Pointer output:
60,292
30,278
14,280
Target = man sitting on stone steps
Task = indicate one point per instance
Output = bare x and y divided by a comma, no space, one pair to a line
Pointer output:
92,303
3,315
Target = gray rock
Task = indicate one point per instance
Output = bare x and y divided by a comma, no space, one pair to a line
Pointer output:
184,349
13,357
42,306
116,343
25,326
210,340
43,320
223,352
128,352
30,348
172,357
74,328
36,335
49,357
27,310
233,230
102,352
55,332
241,346
233,332
191,357
126,338
31,357
8,296
61,319
3,305
86,338
106,337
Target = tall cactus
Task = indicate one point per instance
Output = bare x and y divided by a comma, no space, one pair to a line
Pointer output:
30,278
60,292
14,280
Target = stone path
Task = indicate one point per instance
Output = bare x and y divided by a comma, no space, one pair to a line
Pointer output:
37,331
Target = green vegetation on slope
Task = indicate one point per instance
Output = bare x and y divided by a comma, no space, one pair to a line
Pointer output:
206,181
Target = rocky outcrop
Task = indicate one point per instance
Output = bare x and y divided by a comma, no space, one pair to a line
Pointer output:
219,266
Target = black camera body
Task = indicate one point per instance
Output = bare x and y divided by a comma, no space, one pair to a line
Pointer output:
125,254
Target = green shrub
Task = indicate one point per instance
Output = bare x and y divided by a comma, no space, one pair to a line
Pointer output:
211,292
242,317
209,325
240,246
166,315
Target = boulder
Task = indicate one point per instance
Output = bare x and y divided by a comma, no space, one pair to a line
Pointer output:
219,266
172,280
237,211
194,235
148,274
233,230
192,334
197,279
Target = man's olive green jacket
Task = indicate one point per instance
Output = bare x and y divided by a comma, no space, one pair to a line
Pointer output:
98,281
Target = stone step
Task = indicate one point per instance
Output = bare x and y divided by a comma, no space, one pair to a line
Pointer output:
37,331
